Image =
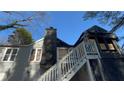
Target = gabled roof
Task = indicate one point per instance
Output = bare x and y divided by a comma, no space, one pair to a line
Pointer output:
22,45
93,29
97,29
61,43
39,40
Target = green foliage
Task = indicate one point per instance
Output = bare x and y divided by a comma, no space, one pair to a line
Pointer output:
21,36
25,35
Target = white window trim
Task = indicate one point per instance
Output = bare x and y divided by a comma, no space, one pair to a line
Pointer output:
33,61
9,55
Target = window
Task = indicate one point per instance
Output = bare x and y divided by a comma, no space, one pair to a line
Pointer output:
102,43
102,46
111,47
32,55
106,44
110,44
36,55
10,54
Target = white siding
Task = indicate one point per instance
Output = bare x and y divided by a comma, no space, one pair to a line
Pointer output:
34,66
5,67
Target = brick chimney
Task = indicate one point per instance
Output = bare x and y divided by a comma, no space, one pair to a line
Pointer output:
49,48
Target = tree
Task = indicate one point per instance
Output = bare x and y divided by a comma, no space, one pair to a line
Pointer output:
14,24
16,19
31,20
20,37
111,18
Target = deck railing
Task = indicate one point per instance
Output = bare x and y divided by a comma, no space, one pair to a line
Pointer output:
67,67
90,47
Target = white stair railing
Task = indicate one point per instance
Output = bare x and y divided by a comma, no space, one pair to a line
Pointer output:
66,68
50,75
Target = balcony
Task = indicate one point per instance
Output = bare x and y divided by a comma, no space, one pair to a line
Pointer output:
91,48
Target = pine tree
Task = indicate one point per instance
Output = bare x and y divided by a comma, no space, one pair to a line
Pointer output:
20,37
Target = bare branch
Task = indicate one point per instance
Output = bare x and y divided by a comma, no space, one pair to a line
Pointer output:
120,24
15,24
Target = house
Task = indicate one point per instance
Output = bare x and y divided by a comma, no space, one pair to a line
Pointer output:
95,56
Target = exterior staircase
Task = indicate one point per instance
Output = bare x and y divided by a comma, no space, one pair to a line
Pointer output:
69,65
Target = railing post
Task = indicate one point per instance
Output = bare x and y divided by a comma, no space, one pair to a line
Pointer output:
101,70
95,45
70,60
89,70
59,70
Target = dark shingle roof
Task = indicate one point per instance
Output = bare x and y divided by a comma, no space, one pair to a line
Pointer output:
61,43
93,29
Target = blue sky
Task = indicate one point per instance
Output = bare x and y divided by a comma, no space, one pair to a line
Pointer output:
69,26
